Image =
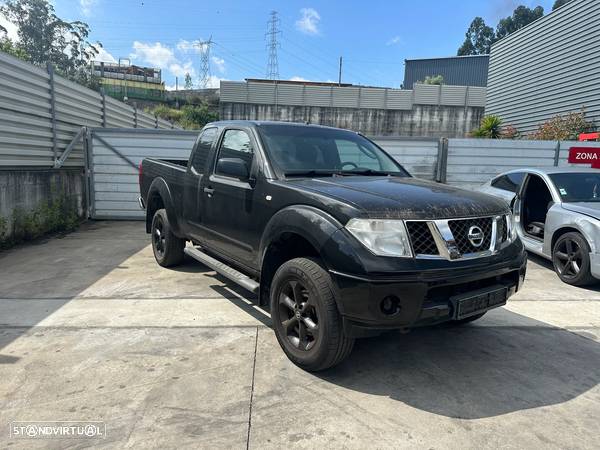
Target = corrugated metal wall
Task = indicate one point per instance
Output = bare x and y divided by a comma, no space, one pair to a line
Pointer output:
114,187
350,97
40,115
456,70
550,67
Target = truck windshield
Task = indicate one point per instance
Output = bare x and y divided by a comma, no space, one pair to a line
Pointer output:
312,151
577,187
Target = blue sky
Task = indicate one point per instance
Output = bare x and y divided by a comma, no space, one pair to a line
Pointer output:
374,37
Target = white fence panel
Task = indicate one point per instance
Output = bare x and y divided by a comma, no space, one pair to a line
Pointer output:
417,155
472,162
114,189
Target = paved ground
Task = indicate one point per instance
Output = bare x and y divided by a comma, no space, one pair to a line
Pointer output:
92,329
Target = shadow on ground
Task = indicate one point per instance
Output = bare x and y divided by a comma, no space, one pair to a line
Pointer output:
474,371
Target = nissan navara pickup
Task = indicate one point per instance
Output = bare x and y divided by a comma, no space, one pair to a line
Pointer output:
332,234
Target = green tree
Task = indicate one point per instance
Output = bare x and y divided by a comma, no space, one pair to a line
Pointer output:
478,39
559,3
188,81
521,16
46,38
437,79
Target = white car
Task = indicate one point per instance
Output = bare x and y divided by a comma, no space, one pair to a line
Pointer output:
557,216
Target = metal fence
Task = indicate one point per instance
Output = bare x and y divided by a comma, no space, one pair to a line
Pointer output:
274,93
41,114
114,156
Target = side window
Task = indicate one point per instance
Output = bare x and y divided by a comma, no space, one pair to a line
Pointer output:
510,182
236,144
205,143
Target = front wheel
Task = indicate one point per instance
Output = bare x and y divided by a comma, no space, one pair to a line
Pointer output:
167,248
571,259
305,317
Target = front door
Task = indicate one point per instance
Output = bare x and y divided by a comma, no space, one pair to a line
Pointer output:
228,201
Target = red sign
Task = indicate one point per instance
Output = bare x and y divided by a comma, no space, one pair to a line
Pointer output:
585,155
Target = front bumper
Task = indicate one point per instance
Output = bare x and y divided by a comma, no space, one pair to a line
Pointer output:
372,304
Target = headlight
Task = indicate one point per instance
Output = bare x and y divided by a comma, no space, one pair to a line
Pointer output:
382,237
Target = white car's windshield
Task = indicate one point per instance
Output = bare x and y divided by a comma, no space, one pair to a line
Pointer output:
577,187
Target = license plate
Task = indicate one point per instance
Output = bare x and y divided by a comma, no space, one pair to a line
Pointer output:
480,302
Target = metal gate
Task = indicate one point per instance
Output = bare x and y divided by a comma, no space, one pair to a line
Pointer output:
113,157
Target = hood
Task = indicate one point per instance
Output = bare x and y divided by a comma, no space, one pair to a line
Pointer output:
404,198
591,209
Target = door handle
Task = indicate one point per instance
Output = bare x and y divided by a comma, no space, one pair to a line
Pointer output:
208,190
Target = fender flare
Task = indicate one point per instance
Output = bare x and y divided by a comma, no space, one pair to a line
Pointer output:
313,224
159,186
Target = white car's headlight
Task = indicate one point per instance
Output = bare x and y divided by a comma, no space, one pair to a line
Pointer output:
382,237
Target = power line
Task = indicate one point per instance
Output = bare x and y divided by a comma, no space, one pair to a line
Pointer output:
272,33
205,62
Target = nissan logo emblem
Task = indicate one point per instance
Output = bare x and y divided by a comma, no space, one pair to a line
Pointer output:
475,236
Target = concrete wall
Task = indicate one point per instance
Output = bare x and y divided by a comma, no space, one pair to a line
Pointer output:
421,120
31,194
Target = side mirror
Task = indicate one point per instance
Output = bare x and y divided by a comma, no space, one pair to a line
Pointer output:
233,167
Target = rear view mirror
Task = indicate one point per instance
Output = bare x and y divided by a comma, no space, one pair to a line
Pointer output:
233,167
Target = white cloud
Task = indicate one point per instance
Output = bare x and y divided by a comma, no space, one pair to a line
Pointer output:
308,22
396,40
104,56
194,46
86,6
155,54
214,81
179,70
297,78
219,63
11,29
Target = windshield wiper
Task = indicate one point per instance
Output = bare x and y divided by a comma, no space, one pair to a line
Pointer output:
311,173
365,172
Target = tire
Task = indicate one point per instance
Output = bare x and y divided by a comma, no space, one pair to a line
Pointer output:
307,323
466,320
571,259
167,248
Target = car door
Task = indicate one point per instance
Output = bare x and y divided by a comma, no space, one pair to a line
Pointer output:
506,186
228,216
192,191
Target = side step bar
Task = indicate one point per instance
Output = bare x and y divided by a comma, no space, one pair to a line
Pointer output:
223,269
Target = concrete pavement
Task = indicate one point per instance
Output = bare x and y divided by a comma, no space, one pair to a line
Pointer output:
93,329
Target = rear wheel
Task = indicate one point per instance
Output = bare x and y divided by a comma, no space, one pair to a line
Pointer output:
167,248
305,317
571,259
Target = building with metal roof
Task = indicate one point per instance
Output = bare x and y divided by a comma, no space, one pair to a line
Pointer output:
547,68
456,70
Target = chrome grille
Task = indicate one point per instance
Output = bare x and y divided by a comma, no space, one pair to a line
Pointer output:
460,231
421,238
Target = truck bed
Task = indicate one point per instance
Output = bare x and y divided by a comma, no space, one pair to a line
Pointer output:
171,170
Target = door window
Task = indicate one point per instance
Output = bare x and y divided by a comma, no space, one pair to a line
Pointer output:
509,182
205,143
236,144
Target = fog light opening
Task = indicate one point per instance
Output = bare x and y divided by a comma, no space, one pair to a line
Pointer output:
390,305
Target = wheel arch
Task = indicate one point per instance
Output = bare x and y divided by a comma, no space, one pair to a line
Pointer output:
293,232
159,196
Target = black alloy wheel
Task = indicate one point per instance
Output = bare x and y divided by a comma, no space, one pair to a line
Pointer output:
298,315
159,237
571,259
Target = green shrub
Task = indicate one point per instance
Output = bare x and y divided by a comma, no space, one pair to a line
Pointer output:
563,128
490,128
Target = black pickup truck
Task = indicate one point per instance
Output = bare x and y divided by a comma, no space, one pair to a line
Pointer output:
335,237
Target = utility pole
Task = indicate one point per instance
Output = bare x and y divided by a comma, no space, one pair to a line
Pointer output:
272,32
340,73
177,92
205,62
